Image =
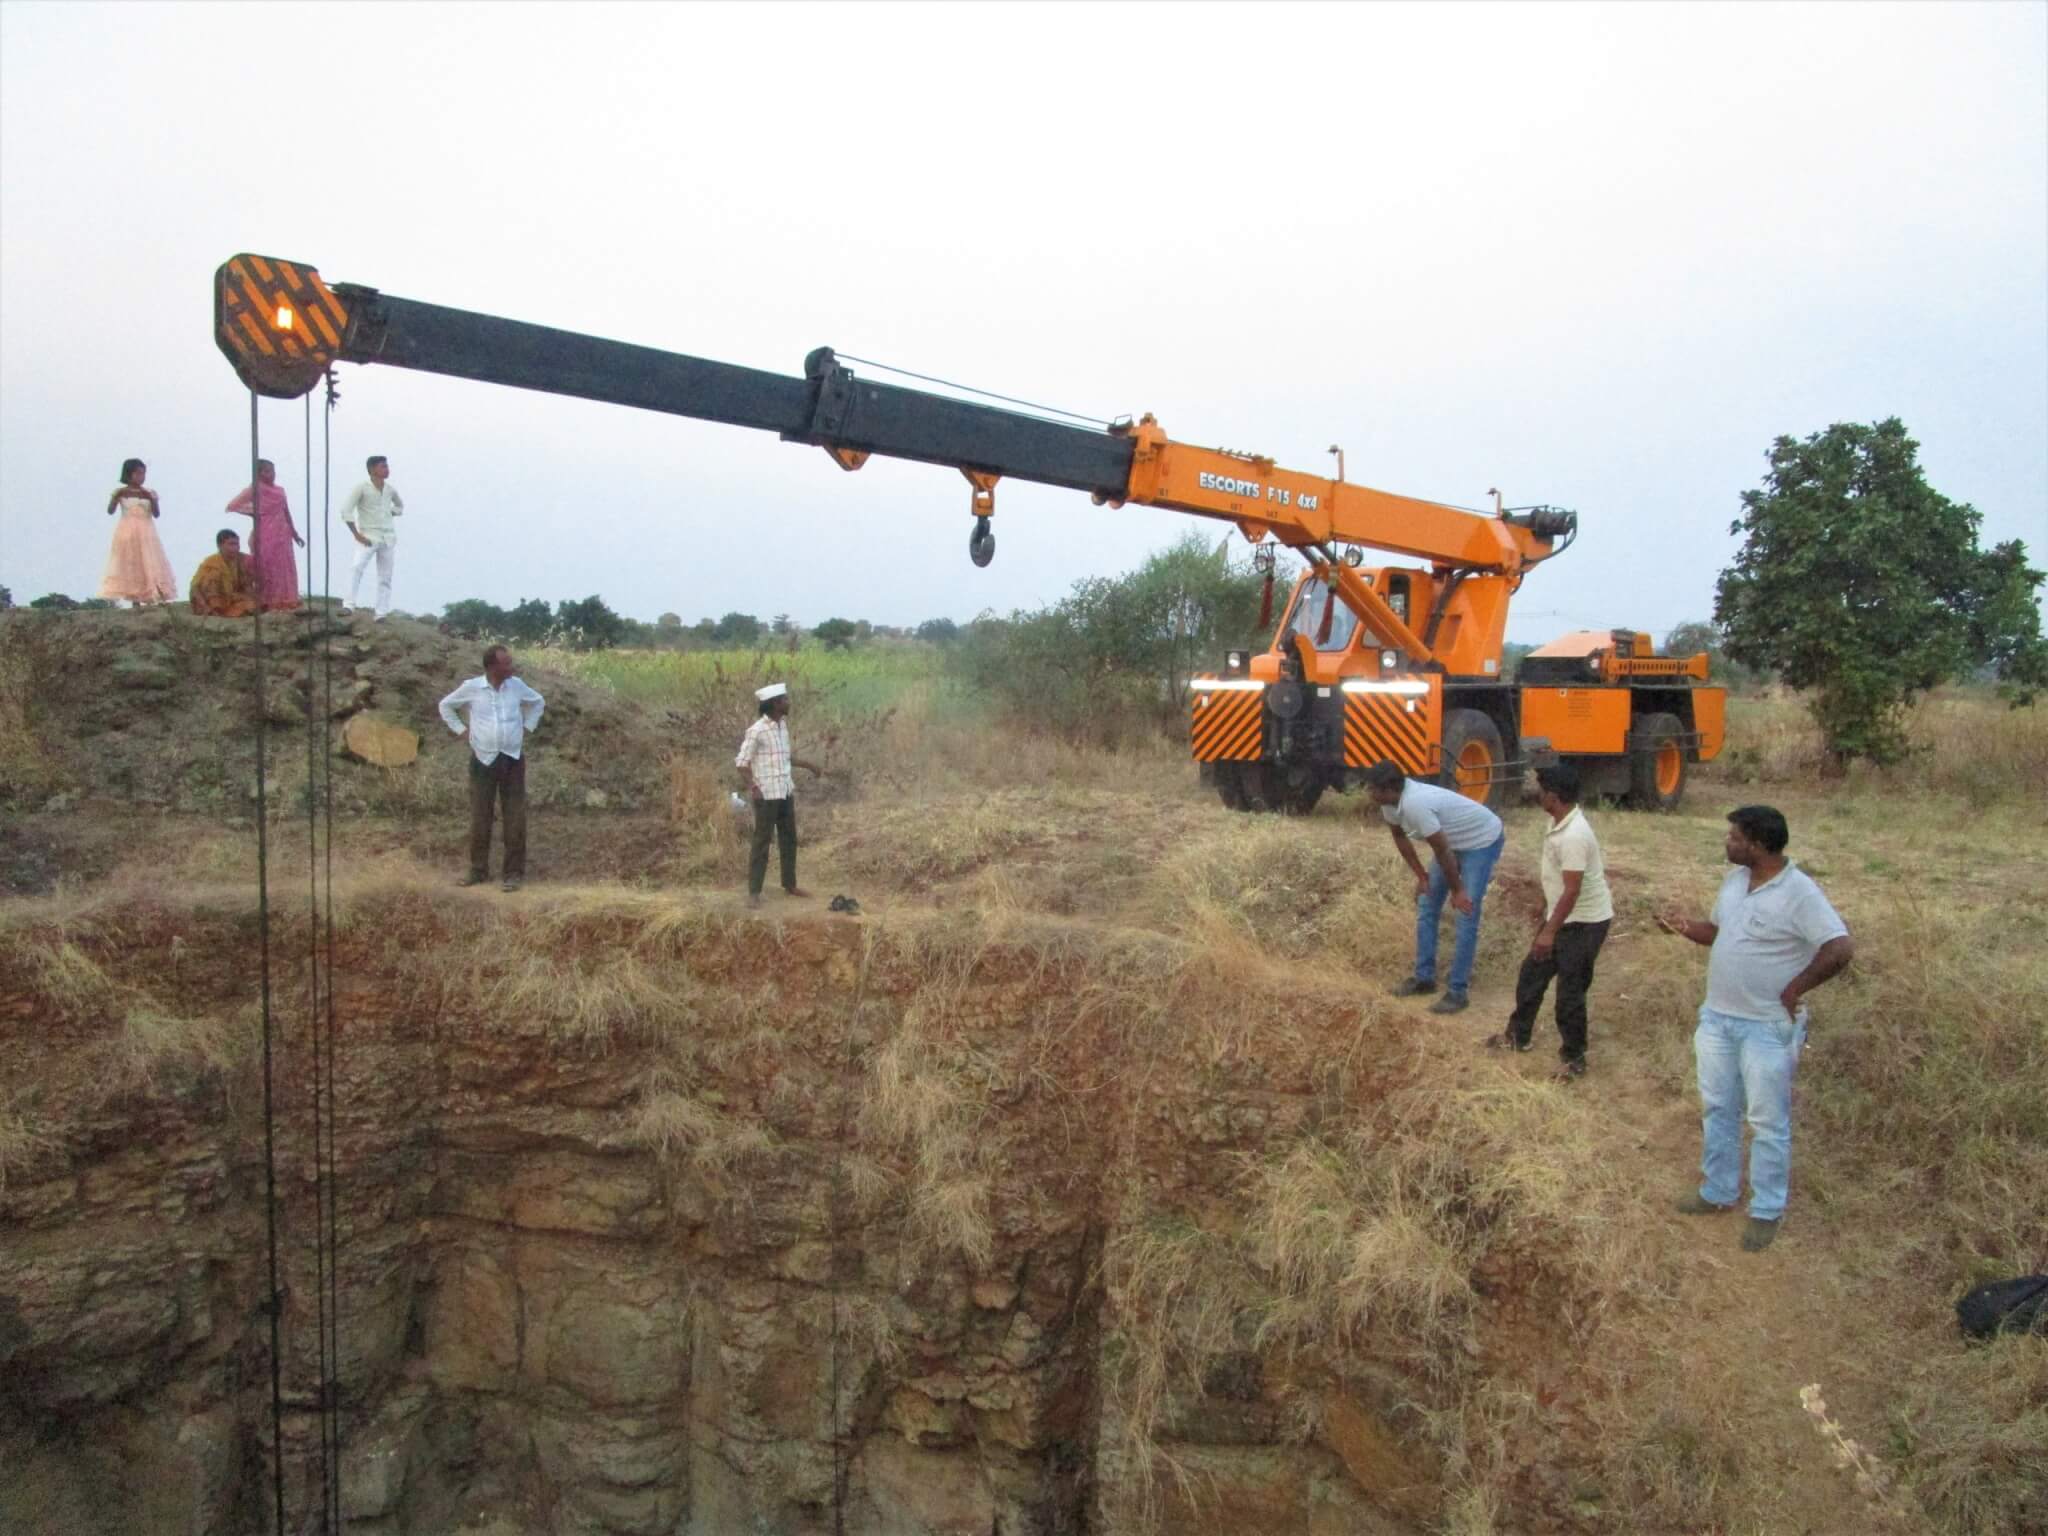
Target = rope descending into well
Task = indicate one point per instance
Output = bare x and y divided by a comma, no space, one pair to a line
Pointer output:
274,1304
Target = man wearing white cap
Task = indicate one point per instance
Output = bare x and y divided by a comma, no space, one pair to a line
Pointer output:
765,766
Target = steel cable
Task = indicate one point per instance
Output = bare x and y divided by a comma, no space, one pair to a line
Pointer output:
275,1305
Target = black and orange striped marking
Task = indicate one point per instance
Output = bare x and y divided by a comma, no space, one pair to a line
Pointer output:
278,323
1227,725
1402,727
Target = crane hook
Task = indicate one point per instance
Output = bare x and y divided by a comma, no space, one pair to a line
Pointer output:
981,544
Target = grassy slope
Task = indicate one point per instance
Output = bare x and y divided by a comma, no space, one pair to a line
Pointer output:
1922,1149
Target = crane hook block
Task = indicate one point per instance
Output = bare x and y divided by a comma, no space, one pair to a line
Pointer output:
981,544
278,323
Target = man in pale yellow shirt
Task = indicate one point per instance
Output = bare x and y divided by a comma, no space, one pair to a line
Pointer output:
1576,913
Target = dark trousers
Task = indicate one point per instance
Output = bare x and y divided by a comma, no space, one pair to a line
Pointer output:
1571,962
773,820
502,782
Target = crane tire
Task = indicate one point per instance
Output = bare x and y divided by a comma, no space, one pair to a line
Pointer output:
1230,787
1472,756
1656,763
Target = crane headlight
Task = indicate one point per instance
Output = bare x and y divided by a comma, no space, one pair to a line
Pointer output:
1233,661
1387,661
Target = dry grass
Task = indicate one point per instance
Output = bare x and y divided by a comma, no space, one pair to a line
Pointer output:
682,1128
927,1099
1965,743
1091,964
33,665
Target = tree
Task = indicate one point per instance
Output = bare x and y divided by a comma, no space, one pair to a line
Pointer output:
938,631
669,623
737,629
529,622
835,634
588,625
473,619
58,602
1859,581
1692,637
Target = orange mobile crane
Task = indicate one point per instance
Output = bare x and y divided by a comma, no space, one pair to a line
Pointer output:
1398,662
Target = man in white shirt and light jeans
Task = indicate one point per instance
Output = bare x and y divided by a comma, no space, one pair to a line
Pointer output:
1573,920
766,774
1467,839
1774,938
369,513
502,712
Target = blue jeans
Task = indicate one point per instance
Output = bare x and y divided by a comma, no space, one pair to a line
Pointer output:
1745,1070
1475,868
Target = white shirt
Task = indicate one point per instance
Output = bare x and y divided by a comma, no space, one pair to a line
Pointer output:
370,511
1767,936
765,749
1427,809
499,718
1569,846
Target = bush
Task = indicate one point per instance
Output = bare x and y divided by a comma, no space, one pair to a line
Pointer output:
1112,661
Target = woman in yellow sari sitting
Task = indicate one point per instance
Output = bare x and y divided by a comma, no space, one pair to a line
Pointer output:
224,587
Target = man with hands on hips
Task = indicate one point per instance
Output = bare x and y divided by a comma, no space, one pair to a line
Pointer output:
1773,938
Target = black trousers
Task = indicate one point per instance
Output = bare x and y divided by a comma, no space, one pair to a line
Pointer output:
774,820
503,783
1571,962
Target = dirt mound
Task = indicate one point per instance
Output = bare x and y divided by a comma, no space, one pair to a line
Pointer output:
157,709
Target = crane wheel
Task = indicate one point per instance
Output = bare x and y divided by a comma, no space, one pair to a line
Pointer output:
1230,787
1472,756
981,544
1656,763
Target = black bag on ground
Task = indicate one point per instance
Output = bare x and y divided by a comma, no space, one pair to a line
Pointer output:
2005,1306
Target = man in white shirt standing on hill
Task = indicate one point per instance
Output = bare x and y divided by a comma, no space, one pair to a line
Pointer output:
766,774
1774,938
369,513
1467,839
502,711
1576,913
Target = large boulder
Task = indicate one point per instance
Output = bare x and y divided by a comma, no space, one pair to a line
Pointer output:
379,740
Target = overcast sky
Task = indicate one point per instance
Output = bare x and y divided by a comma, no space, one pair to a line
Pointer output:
1597,256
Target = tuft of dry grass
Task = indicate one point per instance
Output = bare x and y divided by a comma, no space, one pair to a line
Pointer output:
681,1127
593,1002
928,1097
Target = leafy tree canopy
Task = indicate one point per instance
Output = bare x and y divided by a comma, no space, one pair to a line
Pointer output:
736,629
835,634
1859,581
588,624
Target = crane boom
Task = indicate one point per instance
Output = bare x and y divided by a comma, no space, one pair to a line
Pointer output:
281,326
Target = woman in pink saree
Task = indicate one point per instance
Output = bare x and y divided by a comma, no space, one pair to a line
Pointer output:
271,539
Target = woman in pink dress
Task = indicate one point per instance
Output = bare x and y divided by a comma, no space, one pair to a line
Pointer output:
271,539
137,568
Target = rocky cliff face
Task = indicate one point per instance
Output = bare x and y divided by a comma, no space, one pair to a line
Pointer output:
651,1219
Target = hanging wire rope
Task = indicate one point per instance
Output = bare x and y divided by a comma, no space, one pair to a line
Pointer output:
838,1207
320,1253
332,1180
986,394
274,1305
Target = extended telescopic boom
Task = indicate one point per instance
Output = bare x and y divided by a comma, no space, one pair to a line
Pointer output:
282,327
